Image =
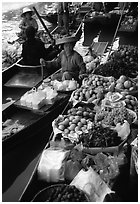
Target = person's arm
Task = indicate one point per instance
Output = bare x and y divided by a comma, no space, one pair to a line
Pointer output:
22,25
81,65
54,64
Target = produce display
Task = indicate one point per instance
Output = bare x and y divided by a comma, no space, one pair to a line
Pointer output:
124,60
10,127
77,121
129,23
97,81
100,136
99,117
105,165
110,117
131,102
125,84
10,54
62,193
88,94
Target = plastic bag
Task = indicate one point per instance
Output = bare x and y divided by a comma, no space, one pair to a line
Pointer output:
51,166
91,183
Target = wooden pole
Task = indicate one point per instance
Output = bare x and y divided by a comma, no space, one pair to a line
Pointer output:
116,29
42,22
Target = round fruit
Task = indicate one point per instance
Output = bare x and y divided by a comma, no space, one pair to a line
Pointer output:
127,84
85,114
71,118
79,112
83,120
80,108
75,121
80,124
127,101
122,78
72,127
66,131
77,129
61,127
119,86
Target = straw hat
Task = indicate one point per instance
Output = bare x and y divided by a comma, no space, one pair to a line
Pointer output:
64,40
26,10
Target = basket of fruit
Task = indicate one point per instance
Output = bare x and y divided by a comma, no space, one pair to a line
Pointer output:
61,193
111,117
87,95
125,84
98,81
76,120
124,60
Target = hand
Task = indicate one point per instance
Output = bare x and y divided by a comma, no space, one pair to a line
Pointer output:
81,76
42,62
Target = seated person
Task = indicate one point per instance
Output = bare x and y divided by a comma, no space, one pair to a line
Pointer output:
27,21
33,48
71,62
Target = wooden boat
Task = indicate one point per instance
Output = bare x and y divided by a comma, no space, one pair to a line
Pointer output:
36,185
17,79
26,122
105,20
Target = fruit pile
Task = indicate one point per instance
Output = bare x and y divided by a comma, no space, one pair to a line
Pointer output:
110,117
131,102
97,81
125,84
129,23
88,94
64,193
77,120
99,136
124,60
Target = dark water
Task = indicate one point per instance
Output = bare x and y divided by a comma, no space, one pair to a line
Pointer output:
19,162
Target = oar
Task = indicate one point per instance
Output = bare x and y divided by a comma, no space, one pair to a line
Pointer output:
42,22
116,30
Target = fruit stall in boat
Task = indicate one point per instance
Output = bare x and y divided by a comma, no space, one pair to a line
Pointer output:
95,132
104,107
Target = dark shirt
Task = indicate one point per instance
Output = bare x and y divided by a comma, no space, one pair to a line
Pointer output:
32,51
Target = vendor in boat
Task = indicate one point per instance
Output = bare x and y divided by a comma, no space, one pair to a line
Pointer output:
71,62
63,16
33,48
27,21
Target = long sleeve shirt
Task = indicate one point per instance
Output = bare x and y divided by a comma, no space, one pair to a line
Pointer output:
32,51
73,63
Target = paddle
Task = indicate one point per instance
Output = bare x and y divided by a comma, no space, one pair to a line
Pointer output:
43,24
116,29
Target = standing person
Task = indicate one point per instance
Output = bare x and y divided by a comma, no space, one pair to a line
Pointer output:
71,62
27,21
63,16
